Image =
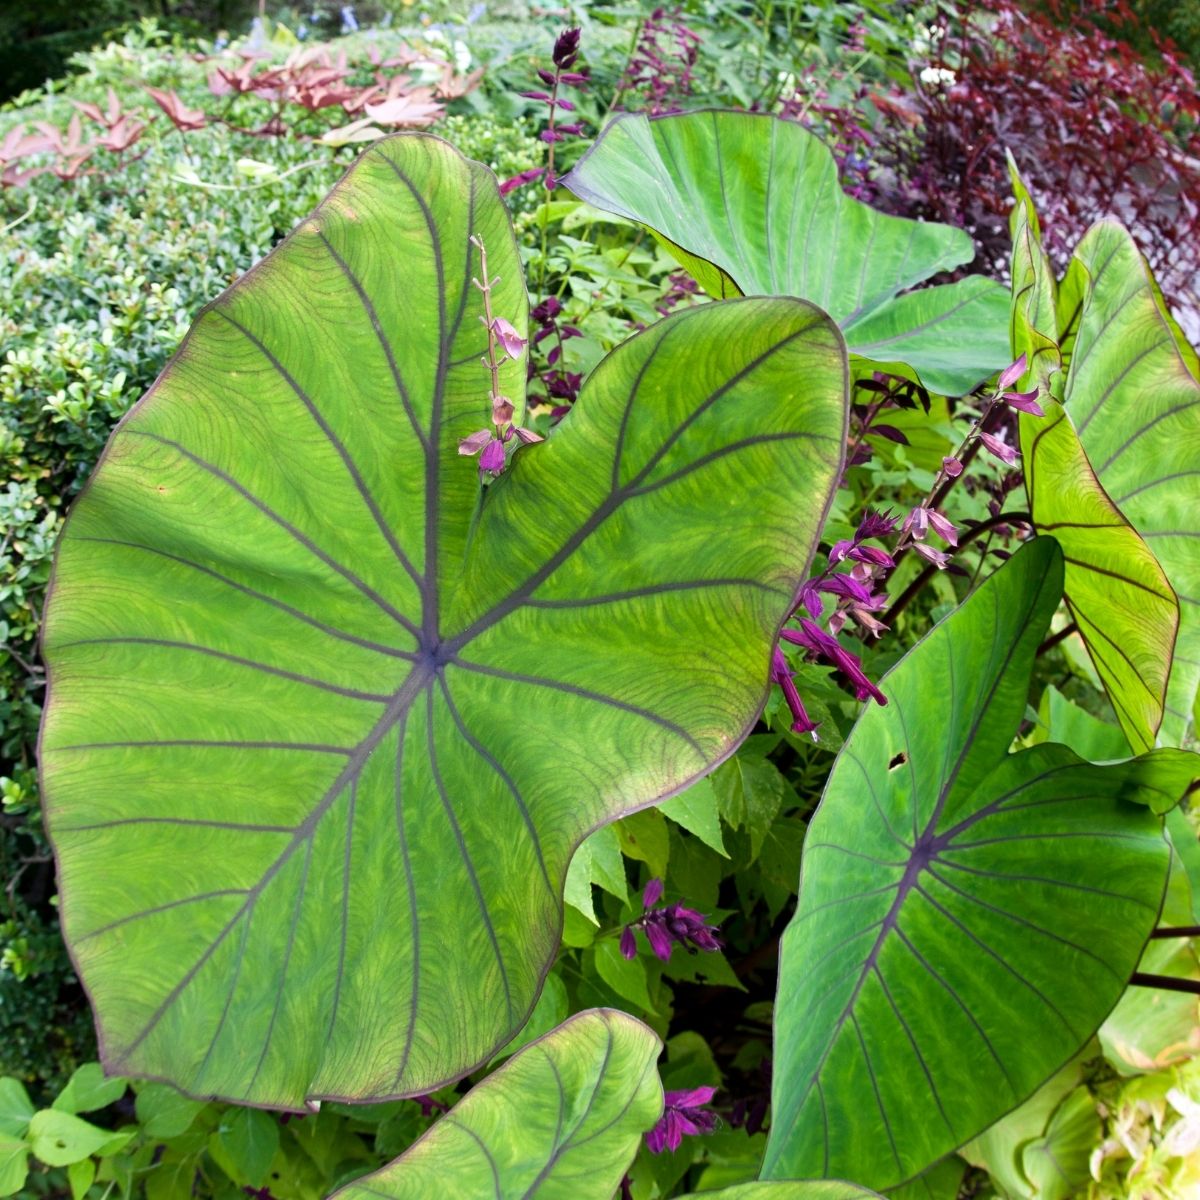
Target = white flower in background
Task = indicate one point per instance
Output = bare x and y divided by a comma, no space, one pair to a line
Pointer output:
937,76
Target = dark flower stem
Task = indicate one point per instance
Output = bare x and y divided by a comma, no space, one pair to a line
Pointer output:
906,597
1178,931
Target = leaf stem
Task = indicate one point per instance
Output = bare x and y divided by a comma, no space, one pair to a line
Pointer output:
1167,983
1177,931
1053,640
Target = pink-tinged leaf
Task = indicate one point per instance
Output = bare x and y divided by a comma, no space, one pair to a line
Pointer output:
418,108
182,117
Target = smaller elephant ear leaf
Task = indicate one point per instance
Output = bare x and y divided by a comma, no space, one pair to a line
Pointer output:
561,1120
751,204
1118,594
967,916
325,722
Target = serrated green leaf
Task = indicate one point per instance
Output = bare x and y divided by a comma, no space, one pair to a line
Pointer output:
626,976
643,836
561,1120
289,641
750,792
750,204
696,811
249,1138
967,916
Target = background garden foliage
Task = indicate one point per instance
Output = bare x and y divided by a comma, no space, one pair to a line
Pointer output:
120,220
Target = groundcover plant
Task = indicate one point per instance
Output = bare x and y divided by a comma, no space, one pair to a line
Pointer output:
347,657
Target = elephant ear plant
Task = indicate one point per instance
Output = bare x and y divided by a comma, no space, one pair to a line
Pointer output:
346,661
327,716
750,204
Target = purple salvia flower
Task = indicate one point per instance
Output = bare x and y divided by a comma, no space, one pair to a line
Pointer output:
683,1113
782,675
847,587
476,442
917,522
566,49
526,436
875,524
652,894
1011,374
660,941
999,448
824,646
942,527
930,554
1025,402
491,460
870,554
952,466
517,181
508,337
628,942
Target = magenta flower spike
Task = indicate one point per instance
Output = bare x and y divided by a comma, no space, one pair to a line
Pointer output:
491,461
508,337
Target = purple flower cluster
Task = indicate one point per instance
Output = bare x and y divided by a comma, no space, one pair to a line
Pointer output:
667,925
683,1112
660,68
564,56
562,387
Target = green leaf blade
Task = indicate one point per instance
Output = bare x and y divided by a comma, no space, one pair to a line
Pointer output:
751,204
560,1120
1134,396
288,637
957,902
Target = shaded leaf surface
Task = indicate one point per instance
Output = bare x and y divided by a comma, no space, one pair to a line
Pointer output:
967,917
751,204
289,643
561,1120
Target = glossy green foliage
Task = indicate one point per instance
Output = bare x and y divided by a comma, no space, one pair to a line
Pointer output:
288,638
751,204
967,917
1118,594
561,1120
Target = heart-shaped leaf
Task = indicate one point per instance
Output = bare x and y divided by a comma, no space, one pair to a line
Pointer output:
1117,592
326,723
750,204
967,917
561,1119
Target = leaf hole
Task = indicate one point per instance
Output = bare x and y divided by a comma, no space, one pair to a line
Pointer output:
897,760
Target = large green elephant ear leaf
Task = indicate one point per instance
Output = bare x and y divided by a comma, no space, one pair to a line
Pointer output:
750,203
967,917
1118,594
303,676
561,1120
1133,394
